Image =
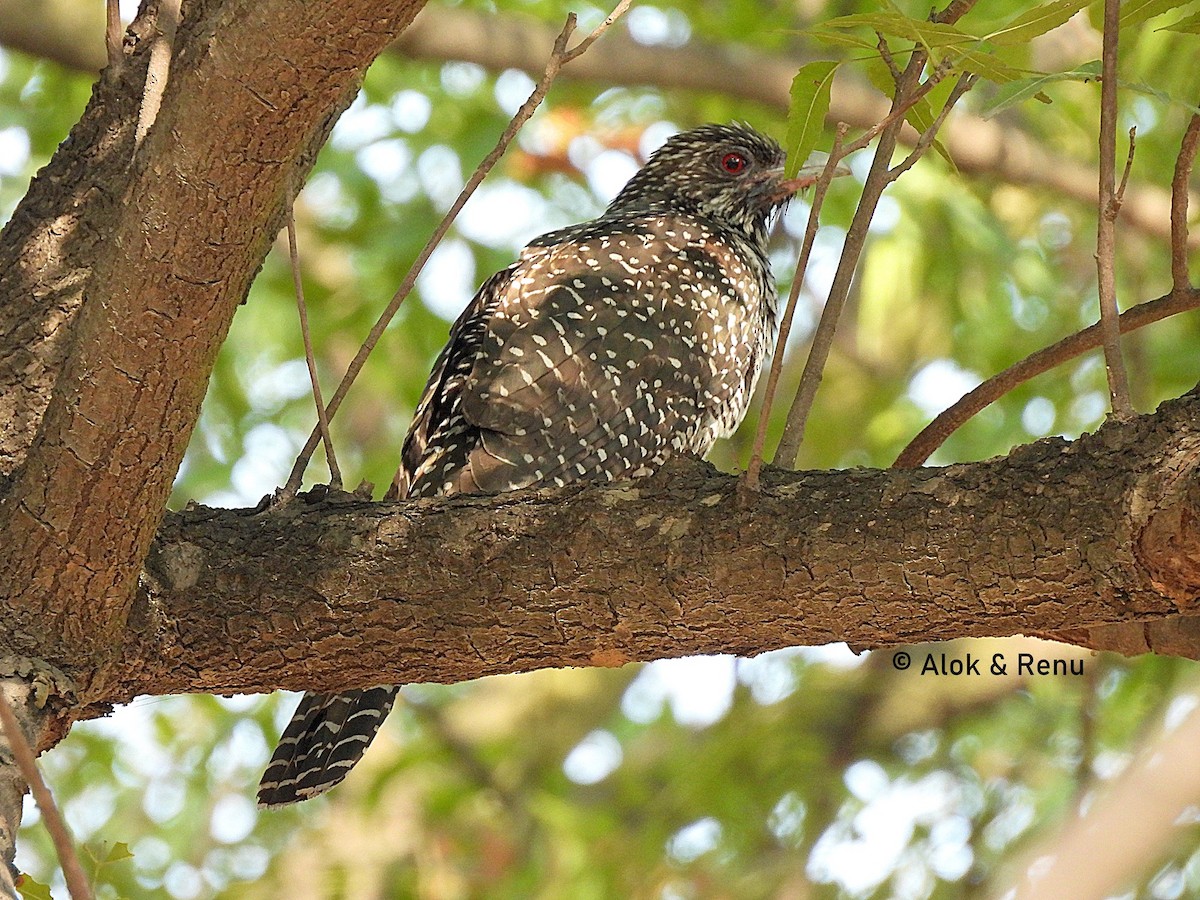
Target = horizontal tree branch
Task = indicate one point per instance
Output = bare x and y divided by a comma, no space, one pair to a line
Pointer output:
346,592
59,30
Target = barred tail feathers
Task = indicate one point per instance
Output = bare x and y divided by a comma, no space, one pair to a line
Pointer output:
326,736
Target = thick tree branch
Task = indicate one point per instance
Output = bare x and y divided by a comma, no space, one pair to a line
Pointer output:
1055,536
164,245
978,146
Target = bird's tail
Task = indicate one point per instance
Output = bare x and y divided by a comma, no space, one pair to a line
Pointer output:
327,735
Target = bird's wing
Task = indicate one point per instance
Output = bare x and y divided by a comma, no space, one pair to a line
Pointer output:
433,436
587,370
595,357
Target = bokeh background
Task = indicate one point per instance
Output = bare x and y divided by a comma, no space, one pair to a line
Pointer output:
802,773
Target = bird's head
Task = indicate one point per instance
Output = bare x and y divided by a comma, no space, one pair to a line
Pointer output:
730,173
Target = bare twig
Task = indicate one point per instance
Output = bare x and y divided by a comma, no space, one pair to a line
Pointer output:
885,53
954,11
77,882
856,236
112,33
785,323
908,92
335,473
1109,207
1120,196
900,106
1179,205
558,57
951,419
159,68
966,81
581,48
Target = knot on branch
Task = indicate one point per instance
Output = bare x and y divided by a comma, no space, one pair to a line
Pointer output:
46,681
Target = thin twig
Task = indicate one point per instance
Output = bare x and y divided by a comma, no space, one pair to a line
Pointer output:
1120,196
966,81
1109,207
1179,204
581,48
159,68
900,107
885,53
558,57
908,92
77,882
335,473
785,324
1181,299
951,419
112,33
856,236
954,11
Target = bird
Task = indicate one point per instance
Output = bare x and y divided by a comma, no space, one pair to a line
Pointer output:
605,349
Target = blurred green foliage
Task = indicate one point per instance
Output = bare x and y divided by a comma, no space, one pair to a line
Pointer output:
796,774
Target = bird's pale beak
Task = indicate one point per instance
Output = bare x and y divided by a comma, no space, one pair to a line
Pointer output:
808,174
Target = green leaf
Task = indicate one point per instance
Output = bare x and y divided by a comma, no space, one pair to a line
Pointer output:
894,24
1036,21
1186,25
987,65
921,117
1139,88
120,850
1023,89
1135,12
30,889
841,39
806,116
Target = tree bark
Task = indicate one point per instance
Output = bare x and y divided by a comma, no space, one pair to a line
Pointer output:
343,593
120,272
163,242
119,275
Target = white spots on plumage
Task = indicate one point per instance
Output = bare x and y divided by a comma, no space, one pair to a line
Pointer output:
629,338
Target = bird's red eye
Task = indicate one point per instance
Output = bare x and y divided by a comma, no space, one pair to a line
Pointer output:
733,163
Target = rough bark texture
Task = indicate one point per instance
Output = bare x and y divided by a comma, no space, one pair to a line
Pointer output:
22,697
163,243
343,593
119,275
